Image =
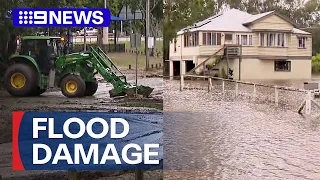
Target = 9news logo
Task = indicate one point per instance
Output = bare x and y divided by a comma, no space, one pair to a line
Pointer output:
61,17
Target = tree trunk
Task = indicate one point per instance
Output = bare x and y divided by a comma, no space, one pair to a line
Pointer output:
166,44
166,50
99,38
155,39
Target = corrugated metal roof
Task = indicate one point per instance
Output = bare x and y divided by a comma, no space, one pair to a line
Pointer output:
228,21
256,17
298,31
233,20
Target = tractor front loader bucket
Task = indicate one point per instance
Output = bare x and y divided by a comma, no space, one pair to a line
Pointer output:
144,91
104,65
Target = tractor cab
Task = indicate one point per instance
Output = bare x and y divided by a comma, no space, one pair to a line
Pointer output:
43,49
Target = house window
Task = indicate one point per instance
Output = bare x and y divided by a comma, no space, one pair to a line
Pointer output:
228,37
261,39
191,39
214,39
282,66
280,41
204,38
210,38
273,39
175,45
302,42
219,39
245,40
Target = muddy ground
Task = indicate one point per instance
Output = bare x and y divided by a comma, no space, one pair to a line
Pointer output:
53,100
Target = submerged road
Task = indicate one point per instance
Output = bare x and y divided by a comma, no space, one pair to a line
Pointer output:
207,137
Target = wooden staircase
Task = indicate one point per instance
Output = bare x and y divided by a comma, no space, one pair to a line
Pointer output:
205,62
229,52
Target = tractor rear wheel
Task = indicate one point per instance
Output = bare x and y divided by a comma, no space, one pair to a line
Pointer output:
73,86
38,91
20,80
91,88
3,68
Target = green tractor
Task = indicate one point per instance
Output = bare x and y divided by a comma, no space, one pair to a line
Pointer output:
41,64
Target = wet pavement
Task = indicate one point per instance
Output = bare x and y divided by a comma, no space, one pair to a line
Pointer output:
215,136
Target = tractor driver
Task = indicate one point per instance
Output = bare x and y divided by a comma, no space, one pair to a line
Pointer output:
63,46
41,52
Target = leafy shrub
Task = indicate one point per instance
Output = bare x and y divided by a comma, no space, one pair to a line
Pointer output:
316,63
209,66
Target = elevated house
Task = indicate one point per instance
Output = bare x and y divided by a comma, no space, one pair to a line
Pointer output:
238,45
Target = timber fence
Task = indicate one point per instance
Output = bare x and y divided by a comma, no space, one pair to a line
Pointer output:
283,96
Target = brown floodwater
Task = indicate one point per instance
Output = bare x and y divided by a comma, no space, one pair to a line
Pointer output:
216,136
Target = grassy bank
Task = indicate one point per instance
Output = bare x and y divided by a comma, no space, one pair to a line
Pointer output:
123,60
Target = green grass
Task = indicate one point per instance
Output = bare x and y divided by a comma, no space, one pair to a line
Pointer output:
123,60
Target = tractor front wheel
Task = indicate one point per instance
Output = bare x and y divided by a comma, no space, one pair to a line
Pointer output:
20,80
91,88
73,86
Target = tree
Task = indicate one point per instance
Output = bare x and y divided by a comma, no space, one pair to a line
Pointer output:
156,16
182,13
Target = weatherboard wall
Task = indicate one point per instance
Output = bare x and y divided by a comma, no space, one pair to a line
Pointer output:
294,50
256,69
272,22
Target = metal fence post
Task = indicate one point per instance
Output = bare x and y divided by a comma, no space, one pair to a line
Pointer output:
237,88
254,92
210,84
276,94
308,103
223,88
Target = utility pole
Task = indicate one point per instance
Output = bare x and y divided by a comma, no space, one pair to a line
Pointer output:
85,39
105,31
147,32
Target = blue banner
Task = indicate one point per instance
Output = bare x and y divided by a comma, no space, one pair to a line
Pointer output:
61,17
87,141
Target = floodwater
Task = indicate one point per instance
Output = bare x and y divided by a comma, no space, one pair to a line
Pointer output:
216,136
